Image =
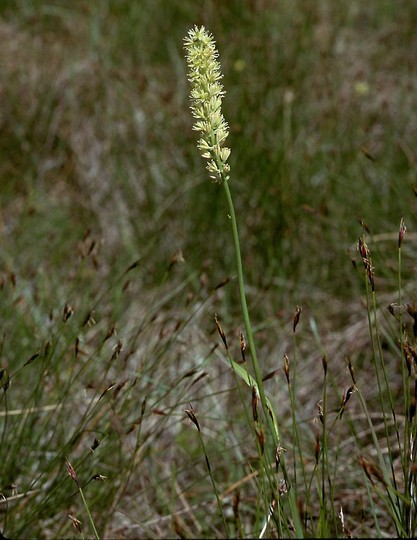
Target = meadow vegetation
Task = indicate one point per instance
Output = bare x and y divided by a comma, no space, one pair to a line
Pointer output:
122,412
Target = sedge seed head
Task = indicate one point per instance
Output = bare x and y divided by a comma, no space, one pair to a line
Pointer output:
402,231
206,101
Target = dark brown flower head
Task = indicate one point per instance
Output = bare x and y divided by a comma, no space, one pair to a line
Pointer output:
402,231
366,259
296,319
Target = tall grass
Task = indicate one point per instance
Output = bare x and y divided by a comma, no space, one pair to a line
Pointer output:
121,302
206,105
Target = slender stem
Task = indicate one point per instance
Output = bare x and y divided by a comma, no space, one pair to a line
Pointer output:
267,409
249,333
213,483
90,517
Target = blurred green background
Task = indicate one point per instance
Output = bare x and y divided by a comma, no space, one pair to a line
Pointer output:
96,134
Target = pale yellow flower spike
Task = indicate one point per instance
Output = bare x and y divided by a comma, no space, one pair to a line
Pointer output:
206,101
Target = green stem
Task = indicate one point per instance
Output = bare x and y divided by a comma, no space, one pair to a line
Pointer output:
90,517
266,407
213,483
255,362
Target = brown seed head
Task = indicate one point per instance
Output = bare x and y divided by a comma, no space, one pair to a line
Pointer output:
235,503
278,454
242,346
296,319
345,399
324,363
412,311
4,380
72,472
409,356
402,231
352,373
175,259
365,254
261,439
75,522
68,311
31,359
319,406
191,415
220,330
371,470
287,368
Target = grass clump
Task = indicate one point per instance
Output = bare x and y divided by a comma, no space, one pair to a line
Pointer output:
280,503
127,354
206,95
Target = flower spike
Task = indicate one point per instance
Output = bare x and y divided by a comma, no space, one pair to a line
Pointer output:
206,101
